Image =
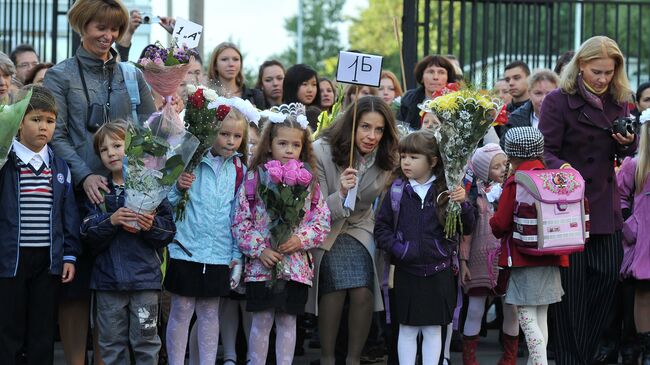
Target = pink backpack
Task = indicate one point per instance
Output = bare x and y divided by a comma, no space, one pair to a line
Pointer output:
551,215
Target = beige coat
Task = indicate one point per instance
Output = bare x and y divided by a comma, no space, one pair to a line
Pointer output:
359,224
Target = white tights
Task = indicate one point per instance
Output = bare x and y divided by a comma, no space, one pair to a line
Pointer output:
533,323
407,344
229,324
285,339
475,310
207,324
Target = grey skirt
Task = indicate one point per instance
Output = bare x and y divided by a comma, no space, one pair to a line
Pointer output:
347,265
539,285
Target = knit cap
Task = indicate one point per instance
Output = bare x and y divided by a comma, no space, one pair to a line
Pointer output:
482,159
524,142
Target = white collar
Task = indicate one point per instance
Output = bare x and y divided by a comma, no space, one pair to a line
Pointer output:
415,184
26,155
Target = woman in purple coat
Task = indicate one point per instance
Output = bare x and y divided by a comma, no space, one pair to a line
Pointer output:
577,121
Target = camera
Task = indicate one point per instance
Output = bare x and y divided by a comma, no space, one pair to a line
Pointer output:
625,126
148,19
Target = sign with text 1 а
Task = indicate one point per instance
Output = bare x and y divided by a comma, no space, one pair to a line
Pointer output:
187,33
359,68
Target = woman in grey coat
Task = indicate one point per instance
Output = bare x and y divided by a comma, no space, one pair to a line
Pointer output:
89,89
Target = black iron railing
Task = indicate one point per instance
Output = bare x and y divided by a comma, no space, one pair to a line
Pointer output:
485,35
40,23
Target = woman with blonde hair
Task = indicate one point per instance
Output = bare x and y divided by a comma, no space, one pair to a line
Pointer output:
576,120
225,71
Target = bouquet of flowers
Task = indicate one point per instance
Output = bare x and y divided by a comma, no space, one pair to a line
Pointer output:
164,69
465,117
155,157
10,118
203,123
283,190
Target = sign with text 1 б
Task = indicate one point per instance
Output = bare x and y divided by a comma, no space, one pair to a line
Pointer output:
187,33
359,68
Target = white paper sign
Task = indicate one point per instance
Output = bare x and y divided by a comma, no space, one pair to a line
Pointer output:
187,33
351,198
359,68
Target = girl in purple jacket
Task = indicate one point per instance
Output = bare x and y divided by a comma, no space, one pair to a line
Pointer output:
634,189
425,288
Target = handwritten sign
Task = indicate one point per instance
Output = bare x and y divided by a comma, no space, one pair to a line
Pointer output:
359,68
187,33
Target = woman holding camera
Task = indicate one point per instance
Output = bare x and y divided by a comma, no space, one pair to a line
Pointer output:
90,90
577,121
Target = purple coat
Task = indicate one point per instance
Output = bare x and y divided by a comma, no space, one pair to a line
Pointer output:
578,134
418,245
636,231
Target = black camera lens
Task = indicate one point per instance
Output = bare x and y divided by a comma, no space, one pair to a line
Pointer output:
146,19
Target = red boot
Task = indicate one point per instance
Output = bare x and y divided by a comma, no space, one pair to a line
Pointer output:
469,350
510,345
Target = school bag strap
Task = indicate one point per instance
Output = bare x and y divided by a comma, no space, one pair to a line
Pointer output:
239,170
131,82
396,191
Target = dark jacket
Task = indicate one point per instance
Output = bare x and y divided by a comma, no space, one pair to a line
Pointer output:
255,96
64,218
125,260
418,245
579,134
502,224
408,110
518,118
72,140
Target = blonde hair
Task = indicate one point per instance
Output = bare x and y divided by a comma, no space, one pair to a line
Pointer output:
542,74
643,162
112,12
213,72
237,116
595,48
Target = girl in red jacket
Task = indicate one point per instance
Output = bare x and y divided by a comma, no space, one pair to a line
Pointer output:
534,281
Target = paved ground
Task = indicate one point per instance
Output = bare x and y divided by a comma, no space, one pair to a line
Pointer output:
488,353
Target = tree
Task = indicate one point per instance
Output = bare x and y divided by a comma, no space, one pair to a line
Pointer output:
372,32
321,19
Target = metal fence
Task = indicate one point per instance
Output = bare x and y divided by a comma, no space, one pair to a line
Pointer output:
40,23
486,35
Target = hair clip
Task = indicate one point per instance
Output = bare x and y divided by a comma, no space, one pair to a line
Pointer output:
243,106
279,113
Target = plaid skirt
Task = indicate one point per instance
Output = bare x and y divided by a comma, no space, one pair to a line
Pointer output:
347,265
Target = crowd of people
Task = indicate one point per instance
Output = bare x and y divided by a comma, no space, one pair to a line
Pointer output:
380,272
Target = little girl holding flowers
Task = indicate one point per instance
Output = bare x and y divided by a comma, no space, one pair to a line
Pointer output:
280,216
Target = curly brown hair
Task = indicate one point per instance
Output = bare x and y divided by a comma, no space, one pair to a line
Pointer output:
270,131
339,134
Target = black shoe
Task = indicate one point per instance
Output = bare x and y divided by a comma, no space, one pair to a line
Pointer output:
607,354
629,354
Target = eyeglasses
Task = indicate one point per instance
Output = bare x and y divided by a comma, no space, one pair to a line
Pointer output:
27,64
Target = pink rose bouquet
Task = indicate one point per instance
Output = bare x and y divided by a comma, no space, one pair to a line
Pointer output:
283,190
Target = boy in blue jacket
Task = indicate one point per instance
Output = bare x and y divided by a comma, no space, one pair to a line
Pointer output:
39,233
126,276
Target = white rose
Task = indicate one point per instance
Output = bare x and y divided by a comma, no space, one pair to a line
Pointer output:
210,95
191,88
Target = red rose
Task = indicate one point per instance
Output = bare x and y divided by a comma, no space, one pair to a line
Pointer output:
197,100
222,111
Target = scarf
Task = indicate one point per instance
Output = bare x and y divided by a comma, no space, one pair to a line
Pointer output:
589,94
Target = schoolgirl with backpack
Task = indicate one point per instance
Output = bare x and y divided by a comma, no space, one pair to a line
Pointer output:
541,218
409,226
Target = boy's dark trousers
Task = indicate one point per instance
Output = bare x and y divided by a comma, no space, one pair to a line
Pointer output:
28,308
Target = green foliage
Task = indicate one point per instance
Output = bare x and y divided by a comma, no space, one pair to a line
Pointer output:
321,19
